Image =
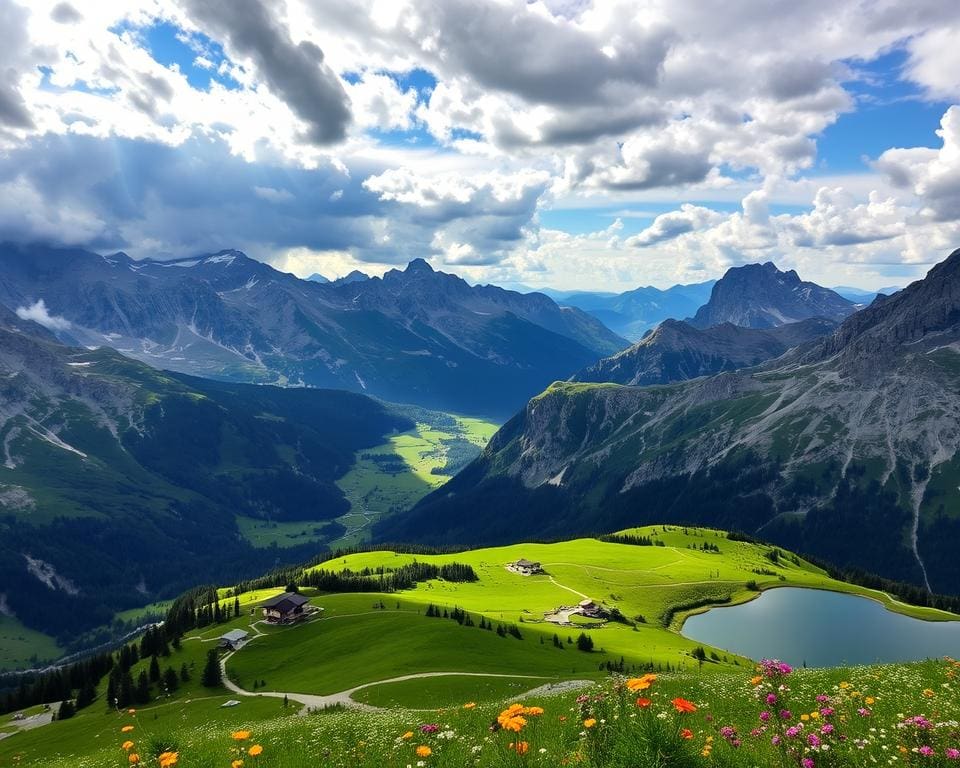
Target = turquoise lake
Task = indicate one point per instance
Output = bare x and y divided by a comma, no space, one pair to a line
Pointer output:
822,629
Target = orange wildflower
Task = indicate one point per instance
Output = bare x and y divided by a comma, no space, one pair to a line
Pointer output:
255,750
521,747
240,735
686,733
589,722
127,745
133,758
643,703
682,705
408,735
424,751
168,759
470,705
637,684
126,729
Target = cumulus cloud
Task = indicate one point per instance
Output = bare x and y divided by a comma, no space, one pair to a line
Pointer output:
296,71
667,226
837,219
13,109
38,313
932,174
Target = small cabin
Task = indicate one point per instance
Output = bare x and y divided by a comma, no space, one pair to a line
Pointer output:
526,567
286,608
589,608
234,639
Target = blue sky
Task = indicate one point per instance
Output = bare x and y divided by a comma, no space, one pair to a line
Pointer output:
617,143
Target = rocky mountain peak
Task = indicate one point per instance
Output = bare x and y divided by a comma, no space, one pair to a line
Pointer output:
419,267
763,296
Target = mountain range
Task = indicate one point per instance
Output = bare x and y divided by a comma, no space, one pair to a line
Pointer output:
845,447
677,351
415,336
121,484
633,313
761,296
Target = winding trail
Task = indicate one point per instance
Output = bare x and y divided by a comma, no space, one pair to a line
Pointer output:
345,698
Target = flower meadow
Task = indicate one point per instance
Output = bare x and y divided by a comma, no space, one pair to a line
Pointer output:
896,715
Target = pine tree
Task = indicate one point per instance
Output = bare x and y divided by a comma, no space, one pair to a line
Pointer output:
86,695
141,694
236,606
212,675
584,643
154,670
184,673
170,680
66,710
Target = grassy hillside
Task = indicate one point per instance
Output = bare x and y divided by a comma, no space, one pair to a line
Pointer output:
357,647
384,478
888,715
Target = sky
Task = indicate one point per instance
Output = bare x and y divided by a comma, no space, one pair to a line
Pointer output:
555,143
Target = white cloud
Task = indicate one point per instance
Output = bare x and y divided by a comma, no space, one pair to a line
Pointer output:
666,226
932,174
38,313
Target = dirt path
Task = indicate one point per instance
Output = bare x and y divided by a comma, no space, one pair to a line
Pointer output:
345,698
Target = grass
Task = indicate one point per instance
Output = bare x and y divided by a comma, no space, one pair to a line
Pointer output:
22,647
367,639
337,652
870,706
267,533
423,452
450,691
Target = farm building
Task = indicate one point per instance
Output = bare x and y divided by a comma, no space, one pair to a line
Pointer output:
526,567
286,608
590,609
233,639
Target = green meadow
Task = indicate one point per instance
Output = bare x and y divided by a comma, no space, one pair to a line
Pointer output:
354,649
397,474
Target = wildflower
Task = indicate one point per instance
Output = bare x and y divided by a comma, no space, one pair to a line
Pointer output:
126,729
928,693
643,703
953,754
168,759
255,750
240,735
682,705
127,745
236,764
756,680
637,684
686,733
521,747
131,711
429,728
807,762
424,751
869,701
470,705
133,758
407,736
589,722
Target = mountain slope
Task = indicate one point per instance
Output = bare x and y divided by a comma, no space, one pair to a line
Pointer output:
633,313
846,448
761,296
676,351
414,336
120,484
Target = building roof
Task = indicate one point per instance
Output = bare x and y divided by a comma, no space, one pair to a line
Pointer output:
524,563
587,603
286,602
234,635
